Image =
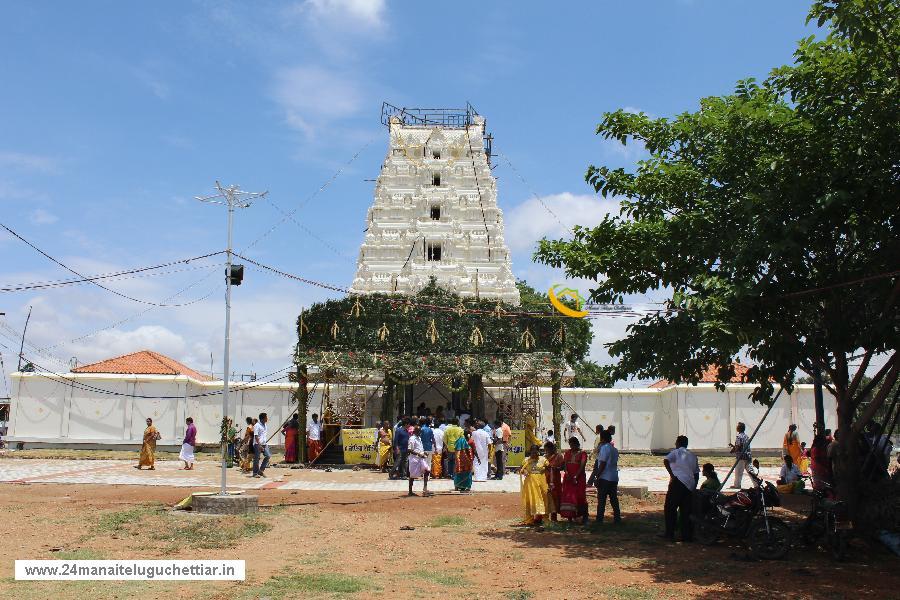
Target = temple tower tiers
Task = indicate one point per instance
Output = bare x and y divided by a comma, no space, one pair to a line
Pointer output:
435,212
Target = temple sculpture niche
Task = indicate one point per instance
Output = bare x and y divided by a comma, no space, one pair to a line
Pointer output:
435,212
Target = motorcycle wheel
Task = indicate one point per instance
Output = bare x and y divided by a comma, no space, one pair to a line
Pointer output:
770,544
706,531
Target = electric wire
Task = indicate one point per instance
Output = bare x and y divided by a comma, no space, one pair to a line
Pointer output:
142,312
477,186
74,272
535,194
83,386
117,276
310,197
437,307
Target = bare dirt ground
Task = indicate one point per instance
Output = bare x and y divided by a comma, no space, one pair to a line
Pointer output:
346,544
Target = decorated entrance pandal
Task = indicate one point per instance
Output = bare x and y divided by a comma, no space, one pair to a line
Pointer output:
433,337
521,404
343,404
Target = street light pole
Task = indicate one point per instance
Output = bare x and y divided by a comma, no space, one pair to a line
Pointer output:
233,197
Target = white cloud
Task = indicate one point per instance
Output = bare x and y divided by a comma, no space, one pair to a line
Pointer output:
311,96
531,220
39,216
115,342
28,162
359,13
149,75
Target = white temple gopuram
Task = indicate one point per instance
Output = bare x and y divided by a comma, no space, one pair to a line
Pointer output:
435,212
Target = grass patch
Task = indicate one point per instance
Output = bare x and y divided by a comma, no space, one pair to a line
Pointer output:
95,590
629,593
289,586
78,554
118,521
446,578
209,533
447,521
519,595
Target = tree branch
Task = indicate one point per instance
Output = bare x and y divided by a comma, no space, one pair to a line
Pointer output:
878,400
859,373
878,377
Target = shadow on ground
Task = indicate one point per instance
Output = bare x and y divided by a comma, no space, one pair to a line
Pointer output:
634,545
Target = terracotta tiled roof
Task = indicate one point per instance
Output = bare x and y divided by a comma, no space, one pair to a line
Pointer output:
145,362
710,376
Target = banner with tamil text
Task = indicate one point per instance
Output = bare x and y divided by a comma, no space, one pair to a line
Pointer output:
359,446
515,454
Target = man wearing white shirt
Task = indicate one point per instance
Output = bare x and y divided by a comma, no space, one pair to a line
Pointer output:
789,471
313,439
261,446
501,438
464,416
684,473
481,442
571,428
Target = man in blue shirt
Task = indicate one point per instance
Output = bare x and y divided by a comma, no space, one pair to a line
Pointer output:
607,469
401,451
427,436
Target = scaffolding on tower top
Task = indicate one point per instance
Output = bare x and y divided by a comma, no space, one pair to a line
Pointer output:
453,118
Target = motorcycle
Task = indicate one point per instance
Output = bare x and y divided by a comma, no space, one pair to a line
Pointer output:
827,523
745,515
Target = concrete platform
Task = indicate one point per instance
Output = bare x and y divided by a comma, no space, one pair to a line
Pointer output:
229,504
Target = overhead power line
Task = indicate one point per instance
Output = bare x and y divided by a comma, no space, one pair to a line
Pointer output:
84,386
594,311
74,272
320,189
118,275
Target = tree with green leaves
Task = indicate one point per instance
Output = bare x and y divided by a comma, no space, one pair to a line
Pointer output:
771,217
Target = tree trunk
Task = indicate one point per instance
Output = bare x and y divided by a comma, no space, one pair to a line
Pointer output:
556,396
387,399
846,462
476,397
302,403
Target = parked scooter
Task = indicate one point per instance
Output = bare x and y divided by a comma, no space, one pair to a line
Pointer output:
745,515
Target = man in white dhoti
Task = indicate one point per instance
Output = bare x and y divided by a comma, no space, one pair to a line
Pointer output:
187,447
419,465
481,440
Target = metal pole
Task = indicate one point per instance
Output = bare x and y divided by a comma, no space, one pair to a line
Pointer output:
22,345
227,335
232,196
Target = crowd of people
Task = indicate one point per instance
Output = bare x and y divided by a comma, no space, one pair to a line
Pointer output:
251,451
457,447
554,483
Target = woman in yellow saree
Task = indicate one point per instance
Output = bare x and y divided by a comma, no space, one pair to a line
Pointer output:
791,444
385,443
534,487
148,448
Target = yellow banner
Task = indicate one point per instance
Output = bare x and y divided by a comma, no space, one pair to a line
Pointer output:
515,454
359,446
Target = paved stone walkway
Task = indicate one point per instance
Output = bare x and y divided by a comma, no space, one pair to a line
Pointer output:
207,474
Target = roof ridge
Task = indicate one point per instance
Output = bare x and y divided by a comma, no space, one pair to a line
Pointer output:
164,361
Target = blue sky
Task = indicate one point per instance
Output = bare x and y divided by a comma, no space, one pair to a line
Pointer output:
114,115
